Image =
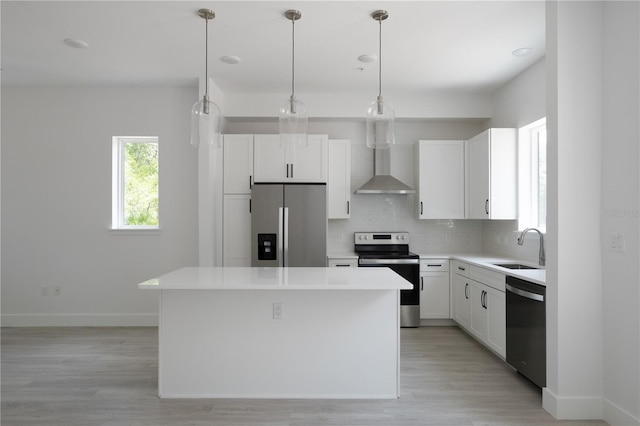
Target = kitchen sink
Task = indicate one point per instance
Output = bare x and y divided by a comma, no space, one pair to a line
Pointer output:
514,266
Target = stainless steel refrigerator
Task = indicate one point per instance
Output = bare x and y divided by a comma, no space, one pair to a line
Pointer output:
288,225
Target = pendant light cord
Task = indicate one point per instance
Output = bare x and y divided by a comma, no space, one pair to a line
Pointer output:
206,57
293,56
380,59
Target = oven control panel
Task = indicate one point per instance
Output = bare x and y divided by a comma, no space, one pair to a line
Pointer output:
381,238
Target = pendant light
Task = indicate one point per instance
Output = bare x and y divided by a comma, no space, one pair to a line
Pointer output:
293,114
380,115
206,118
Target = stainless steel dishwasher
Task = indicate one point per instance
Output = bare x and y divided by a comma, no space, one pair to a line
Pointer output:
526,329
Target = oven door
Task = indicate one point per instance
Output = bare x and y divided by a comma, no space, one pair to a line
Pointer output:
409,269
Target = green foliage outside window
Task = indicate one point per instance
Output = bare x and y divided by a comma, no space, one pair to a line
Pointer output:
141,184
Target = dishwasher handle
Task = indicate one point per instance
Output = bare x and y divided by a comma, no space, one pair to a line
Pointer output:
524,293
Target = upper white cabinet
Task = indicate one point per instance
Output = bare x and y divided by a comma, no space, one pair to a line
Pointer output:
275,162
339,179
491,165
440,177
237,164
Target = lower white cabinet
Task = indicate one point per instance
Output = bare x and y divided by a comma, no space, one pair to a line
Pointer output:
480,308
350,262
434,288
236,230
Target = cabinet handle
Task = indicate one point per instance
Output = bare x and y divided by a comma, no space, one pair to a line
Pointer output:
466,286
250,182
486,206
249,205
287,169
421,208
434,265
347,207
291,169
461,268
421,283
342,264
483,299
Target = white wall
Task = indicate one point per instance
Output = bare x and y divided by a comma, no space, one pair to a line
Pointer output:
620,204
574,274
56,203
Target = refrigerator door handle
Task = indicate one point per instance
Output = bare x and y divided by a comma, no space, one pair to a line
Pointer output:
286,237
280,235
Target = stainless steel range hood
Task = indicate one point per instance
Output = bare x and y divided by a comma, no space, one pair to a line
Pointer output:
382,182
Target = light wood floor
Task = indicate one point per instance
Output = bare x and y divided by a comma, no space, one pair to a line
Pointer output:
108,376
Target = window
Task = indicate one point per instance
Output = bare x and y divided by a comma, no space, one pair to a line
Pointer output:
532,176
135,182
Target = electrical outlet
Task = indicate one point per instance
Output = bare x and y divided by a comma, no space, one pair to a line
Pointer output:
57,291
44,290
277,310
616,243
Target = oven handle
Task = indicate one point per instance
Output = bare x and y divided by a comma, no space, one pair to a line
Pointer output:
388,261
524,293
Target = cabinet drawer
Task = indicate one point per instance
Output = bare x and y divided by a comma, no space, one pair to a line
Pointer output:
485,276
348,263
461,268
434,265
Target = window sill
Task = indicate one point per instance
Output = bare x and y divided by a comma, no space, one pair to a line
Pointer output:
135,231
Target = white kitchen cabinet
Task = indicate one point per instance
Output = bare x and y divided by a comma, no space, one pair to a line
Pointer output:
480,307
434,288
236,249
273,161
347,262
440,172
461,300
339,179
491,175
237,164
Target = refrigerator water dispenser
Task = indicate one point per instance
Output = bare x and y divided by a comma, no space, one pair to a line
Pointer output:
267,247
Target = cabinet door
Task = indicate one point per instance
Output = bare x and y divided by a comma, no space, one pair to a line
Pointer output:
309,164
477,162
496,321
478,325
461,295
236,233
238,164
339,179
434,295
440,178
270,163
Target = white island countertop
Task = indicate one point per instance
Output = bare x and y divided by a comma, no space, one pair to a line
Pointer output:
238,278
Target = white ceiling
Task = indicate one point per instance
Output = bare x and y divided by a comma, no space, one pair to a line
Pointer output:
427,45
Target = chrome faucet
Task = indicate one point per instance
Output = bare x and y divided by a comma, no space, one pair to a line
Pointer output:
542,259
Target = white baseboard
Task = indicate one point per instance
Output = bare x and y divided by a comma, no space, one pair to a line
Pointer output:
578,408
79,320
616,416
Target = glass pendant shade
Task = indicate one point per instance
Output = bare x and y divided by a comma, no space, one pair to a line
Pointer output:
380,132
293,123
206,120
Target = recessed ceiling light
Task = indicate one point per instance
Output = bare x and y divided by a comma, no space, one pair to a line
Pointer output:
367,58
523,51
77,43
231,60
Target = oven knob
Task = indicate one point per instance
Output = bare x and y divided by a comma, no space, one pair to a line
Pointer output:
366,237
404,237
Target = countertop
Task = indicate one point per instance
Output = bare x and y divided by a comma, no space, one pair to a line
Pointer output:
537,276
236,278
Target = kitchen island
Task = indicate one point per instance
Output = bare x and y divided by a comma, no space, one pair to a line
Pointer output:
279,332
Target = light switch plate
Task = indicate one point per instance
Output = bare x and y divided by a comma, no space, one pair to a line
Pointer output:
616,243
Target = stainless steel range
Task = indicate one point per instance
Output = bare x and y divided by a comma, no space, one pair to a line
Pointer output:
391,250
